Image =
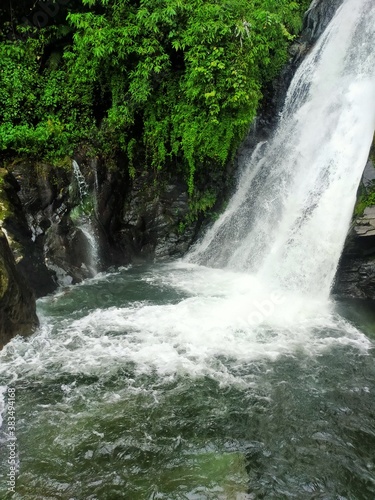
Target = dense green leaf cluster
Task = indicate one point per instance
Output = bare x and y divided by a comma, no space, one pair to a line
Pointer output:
366,195
178,80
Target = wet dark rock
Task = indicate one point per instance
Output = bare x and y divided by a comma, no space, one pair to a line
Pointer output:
132,219
65,253
318,17
153,218
22,222
356,273
368,175
17,301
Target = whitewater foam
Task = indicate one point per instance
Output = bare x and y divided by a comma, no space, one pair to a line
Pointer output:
226,321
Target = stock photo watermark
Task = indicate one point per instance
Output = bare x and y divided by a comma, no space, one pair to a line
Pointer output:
11,446
263,309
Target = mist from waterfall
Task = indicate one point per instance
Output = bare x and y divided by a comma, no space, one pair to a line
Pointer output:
288,220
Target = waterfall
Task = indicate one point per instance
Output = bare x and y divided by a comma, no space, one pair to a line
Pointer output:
289,218
81,182
83,214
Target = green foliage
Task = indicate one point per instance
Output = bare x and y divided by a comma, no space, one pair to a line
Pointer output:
172,81
201,202
366,199
85,208
41,115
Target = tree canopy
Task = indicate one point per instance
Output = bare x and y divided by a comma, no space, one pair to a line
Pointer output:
178,80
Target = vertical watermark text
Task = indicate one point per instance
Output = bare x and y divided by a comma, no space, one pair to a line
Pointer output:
11,446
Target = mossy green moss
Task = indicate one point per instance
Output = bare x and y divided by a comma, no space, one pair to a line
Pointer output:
365,200
366,196
7,212
5,209
85,209
4,279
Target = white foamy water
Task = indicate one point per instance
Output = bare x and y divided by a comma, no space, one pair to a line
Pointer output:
288,220
3,390
226,321
81,181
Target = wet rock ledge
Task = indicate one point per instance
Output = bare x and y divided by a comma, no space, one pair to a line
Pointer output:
17,301
356,273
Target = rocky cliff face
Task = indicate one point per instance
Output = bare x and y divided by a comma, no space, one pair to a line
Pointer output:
15,216
66,224
17,302
151,218
356,272
317,18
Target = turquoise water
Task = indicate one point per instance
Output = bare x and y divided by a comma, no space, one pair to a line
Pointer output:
148,383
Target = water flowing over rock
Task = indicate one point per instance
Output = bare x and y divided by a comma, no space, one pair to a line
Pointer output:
318,16
69,223
84,217
49,247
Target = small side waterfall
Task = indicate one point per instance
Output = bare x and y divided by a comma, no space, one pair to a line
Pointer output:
81,182
83,215
288,220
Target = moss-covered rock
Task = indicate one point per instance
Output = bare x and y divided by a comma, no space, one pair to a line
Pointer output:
17,208
17,301
4,202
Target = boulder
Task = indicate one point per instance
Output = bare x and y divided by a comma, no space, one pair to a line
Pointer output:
21,208
17,301
356,273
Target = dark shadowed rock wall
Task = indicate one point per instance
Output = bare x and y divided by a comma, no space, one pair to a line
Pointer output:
17,301
356,272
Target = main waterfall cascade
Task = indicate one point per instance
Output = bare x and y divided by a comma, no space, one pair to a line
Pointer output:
288,220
